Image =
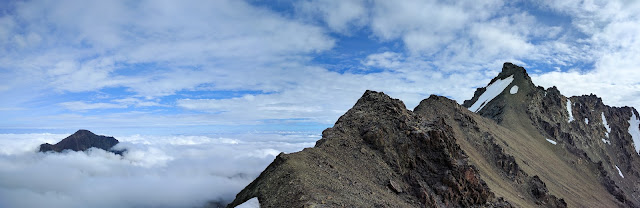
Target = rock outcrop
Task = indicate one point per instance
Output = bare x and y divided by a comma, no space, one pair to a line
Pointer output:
82,140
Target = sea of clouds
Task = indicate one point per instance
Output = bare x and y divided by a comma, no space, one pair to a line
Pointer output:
156,171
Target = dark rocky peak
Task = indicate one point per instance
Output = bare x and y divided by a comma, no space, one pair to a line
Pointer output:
374,110
518,72
435,103
378,101
512,85
82,140
83,132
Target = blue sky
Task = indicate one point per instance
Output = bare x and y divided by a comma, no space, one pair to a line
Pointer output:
204,67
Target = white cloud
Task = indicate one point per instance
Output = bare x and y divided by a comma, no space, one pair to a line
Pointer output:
82,106
94,44
464,36
158,171
319,95
384,60
340,16
137,102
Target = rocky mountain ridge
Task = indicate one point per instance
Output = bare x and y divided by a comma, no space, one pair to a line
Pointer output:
513,144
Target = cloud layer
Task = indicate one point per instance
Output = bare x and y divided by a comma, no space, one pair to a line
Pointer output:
157,171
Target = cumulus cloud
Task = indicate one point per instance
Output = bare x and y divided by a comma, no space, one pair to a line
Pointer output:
157,171
388,60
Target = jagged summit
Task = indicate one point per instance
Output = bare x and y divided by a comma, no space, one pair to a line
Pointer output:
512,85
509,69
81,141
512,145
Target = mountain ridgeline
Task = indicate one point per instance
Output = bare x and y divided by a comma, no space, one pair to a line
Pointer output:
513,144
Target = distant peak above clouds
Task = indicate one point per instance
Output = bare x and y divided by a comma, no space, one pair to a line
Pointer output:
82,140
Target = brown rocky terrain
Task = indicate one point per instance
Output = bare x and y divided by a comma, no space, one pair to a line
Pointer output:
519,148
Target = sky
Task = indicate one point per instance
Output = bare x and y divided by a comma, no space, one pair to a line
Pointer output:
204,94
204,67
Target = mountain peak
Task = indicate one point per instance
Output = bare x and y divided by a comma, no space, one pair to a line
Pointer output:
373,99
84,132
82,140
512,85
520,75
509,68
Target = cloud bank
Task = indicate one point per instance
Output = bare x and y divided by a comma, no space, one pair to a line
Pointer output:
157,171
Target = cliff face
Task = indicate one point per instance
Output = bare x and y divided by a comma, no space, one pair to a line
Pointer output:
81,141
512,144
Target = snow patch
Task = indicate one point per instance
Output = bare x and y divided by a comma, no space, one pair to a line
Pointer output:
514,89
606,141
569,110
586,120
493,90
606,125
619,172
551,141
634,130
251,203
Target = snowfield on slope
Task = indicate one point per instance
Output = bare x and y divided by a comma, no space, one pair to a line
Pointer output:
514,89
606,125
619,172
634,130
251,203
493,90
569,110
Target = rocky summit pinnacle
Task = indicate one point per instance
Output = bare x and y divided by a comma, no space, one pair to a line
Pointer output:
513,144
81,141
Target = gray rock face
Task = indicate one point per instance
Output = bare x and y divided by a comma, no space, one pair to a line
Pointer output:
81,141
